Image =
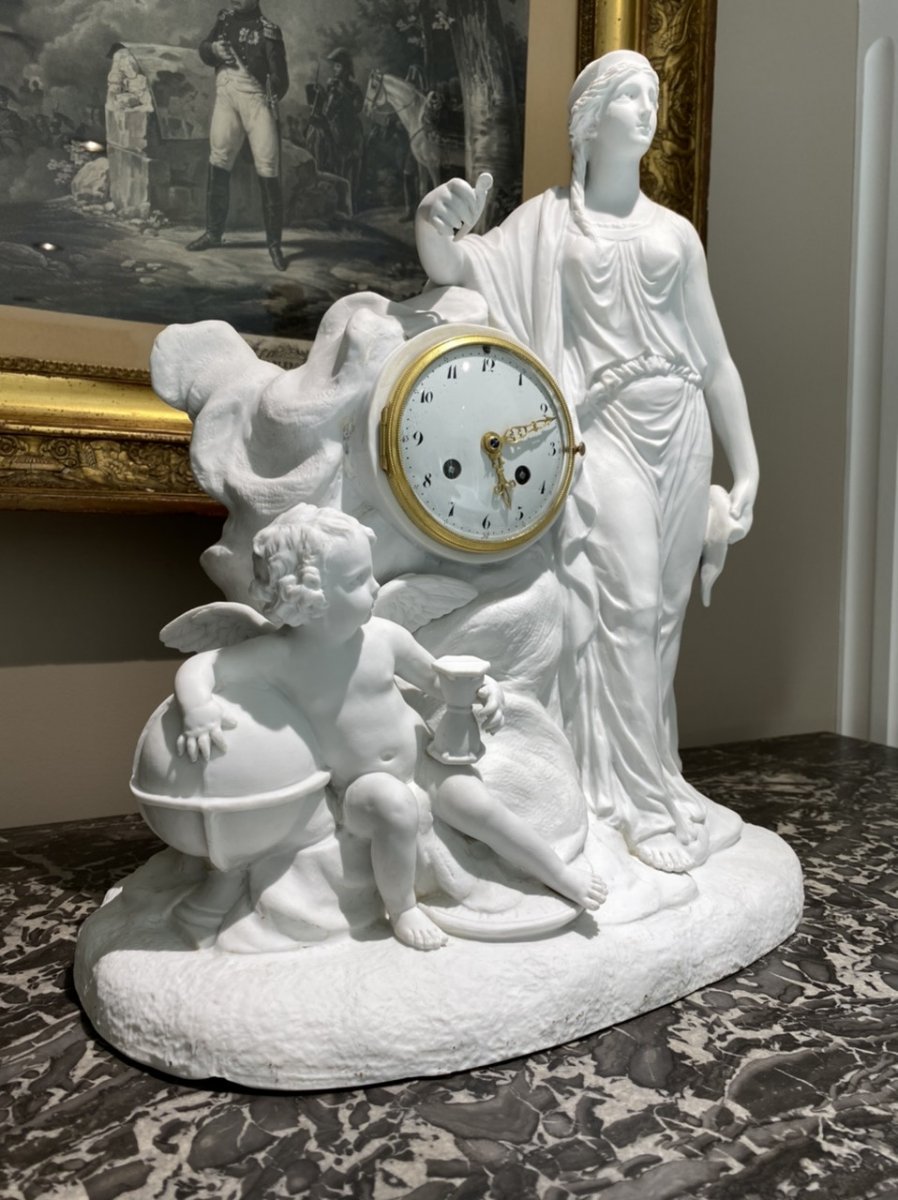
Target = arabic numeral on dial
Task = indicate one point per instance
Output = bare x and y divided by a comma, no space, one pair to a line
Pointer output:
417,437
520,378
451,510
544,408
542,490
553,448
520,514
489,364
452,373
427,397
427,480
486,523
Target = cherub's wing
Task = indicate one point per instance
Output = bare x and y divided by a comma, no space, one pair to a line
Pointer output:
416,600
212,626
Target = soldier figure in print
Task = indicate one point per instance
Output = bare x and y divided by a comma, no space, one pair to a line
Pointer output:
247,52
335,127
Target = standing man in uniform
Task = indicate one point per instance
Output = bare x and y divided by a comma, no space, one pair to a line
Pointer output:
247,52
336,126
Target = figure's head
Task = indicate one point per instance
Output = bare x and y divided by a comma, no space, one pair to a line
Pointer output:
612,109
244,6
341,61
621,79
310,561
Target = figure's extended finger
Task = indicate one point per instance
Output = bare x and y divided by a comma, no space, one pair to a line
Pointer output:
481,189
219,741
228,722
192,752
205,744
180,744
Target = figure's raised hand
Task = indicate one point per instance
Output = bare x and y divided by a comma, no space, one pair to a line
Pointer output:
204,727
454,208
444,217
492,699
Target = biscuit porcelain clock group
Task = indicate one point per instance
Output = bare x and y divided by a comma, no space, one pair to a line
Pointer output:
472,443
418,785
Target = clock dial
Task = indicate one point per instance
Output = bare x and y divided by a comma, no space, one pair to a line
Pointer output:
478,443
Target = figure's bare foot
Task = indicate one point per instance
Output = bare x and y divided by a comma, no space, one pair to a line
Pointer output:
416,929
583,887
697,842
665,852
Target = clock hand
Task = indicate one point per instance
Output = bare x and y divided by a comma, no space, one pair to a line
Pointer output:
517,433
492,444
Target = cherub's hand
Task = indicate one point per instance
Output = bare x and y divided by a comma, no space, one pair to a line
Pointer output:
203,729
454,208
492,698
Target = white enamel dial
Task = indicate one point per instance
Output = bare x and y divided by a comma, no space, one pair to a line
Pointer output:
476,441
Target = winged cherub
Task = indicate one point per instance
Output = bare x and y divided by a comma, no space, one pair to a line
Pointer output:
319,643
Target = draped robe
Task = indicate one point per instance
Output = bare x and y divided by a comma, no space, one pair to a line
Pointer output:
606,308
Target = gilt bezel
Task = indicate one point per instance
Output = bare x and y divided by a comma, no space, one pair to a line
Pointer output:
400,390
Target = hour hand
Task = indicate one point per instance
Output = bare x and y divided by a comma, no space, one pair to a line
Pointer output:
492,444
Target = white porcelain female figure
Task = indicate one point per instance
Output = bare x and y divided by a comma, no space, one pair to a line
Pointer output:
611,290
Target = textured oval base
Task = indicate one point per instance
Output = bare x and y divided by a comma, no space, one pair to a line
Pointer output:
351,1012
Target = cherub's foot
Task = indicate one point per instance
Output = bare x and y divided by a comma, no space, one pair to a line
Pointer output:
583,887
416,929
665,852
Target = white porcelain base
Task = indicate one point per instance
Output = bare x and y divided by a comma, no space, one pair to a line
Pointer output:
351,1012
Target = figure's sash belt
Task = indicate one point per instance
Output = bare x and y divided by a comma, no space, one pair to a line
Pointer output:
607,384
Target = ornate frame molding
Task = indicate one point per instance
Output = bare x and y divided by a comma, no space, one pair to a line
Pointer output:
94,440
678,37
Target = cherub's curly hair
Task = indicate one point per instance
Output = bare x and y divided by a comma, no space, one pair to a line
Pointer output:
290,561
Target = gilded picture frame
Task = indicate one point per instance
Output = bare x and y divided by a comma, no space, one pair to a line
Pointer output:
94,438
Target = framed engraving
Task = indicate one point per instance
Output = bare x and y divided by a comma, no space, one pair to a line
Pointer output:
90,435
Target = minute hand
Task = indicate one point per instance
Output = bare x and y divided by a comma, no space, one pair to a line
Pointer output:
517,433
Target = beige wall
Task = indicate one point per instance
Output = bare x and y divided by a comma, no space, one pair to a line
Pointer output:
81,668
763,659
83,597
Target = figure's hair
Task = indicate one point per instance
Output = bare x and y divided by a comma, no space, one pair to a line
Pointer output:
295,548
593,88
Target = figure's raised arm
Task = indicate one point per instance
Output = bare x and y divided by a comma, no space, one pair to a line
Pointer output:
724,393
444,216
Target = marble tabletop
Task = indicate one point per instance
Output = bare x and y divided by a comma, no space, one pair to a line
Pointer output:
780,1081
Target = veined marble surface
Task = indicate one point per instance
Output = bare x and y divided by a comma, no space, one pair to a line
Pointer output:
781,1081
